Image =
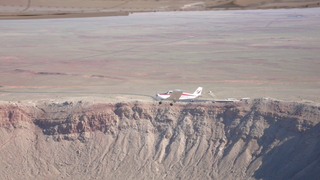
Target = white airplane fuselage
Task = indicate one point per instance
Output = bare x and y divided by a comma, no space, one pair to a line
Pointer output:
178,94
183,96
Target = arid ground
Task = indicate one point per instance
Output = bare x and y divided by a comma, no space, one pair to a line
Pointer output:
248,53
77,96
39,9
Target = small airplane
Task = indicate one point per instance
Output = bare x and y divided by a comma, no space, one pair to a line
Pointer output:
177,94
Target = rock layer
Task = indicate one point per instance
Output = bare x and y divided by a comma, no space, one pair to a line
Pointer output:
258,139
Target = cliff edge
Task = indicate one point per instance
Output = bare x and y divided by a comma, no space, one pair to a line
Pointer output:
254,139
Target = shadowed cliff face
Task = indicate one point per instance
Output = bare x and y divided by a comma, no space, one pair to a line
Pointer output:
256,139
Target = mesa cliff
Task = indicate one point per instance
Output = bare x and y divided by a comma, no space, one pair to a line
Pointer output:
254,139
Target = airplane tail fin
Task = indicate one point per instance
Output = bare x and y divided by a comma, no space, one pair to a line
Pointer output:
198,91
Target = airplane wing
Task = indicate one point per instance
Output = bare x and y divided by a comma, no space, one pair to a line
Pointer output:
175,95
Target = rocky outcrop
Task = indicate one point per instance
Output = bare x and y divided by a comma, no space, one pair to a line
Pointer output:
258,139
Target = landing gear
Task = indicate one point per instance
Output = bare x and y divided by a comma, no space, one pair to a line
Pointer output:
160,102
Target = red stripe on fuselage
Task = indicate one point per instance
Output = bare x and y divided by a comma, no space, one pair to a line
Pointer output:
188,95
181,94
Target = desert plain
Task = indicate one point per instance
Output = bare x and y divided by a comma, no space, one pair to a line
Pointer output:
39,9
77,96
237,53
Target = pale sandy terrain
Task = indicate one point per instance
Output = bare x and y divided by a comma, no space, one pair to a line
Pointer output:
77,95
250,53
35,9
